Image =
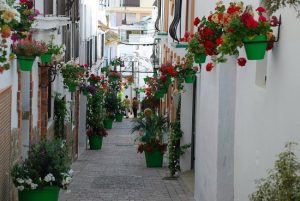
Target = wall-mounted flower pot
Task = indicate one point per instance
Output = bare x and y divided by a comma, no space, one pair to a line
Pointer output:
200,58
85,92
95,142
119,117
113,78
154,158
26,62
255,47
108,123
49,193
46,58
72,87
189,78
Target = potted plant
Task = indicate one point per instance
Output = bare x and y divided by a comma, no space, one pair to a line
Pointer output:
72,74
185,69
196,48
44,172
94,119
26,51
111,105
53,50
151,128
240,28
117,62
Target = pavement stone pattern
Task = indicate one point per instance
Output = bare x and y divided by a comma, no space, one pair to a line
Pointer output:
118,173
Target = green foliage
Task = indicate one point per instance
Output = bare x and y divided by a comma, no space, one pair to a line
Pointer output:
273,5
194,45
111,103
96,112
60,116
44,158
175,150
120,108
72,74
55,49
283,182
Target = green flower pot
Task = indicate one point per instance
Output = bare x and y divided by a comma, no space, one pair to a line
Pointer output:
255,47
95,142
26,62
46,58
200,58
154,159
85,92
72,87
119,117
159,94
190,78
108,123
49,193
112,78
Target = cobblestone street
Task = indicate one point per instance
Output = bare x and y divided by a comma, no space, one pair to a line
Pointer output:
118,173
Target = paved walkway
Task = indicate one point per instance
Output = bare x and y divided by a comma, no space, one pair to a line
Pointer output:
118,173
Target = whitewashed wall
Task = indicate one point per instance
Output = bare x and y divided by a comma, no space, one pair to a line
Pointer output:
240,132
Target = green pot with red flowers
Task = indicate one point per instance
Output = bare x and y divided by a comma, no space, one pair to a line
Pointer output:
200,58
73,74
27,50
152,127
255,47
44,172
96,137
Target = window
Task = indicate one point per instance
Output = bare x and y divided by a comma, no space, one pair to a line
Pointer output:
75,42
67,41
131,3
61,7
48,7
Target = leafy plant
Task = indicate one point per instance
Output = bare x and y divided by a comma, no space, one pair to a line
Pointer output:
53,48
175,149
96,114
194,45
151,127
48,164
61,114
283,181
72,73
273,5
111,103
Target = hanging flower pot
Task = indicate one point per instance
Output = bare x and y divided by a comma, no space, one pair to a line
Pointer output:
46,58
108,123
200,58
85,92
255,47
112,78
189,78
95,142
119,117
72,87
154,158
26,62
49,193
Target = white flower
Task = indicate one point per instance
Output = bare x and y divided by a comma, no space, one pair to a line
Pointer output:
20,188
20,181
33,186
71,172
49,178
28,181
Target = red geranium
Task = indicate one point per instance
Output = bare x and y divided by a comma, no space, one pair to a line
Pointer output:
219,41
196,21
262,18
242,61
209,66
260,9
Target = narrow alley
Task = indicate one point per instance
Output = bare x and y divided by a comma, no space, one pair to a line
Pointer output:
118,173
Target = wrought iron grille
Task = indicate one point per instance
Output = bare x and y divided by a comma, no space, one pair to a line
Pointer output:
176,21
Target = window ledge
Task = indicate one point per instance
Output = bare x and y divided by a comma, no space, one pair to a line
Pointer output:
179,45
50,22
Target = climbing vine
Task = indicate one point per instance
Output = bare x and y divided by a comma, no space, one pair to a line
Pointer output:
175,149
60,116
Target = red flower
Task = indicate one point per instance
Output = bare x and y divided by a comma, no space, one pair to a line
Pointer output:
1,70
230,30
207,31
209,17
270,46
219,41
186,34
195,68
260,9
209,66
208,44
232,9
274,21
23,1
196,21
262,18
163,78
242,61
